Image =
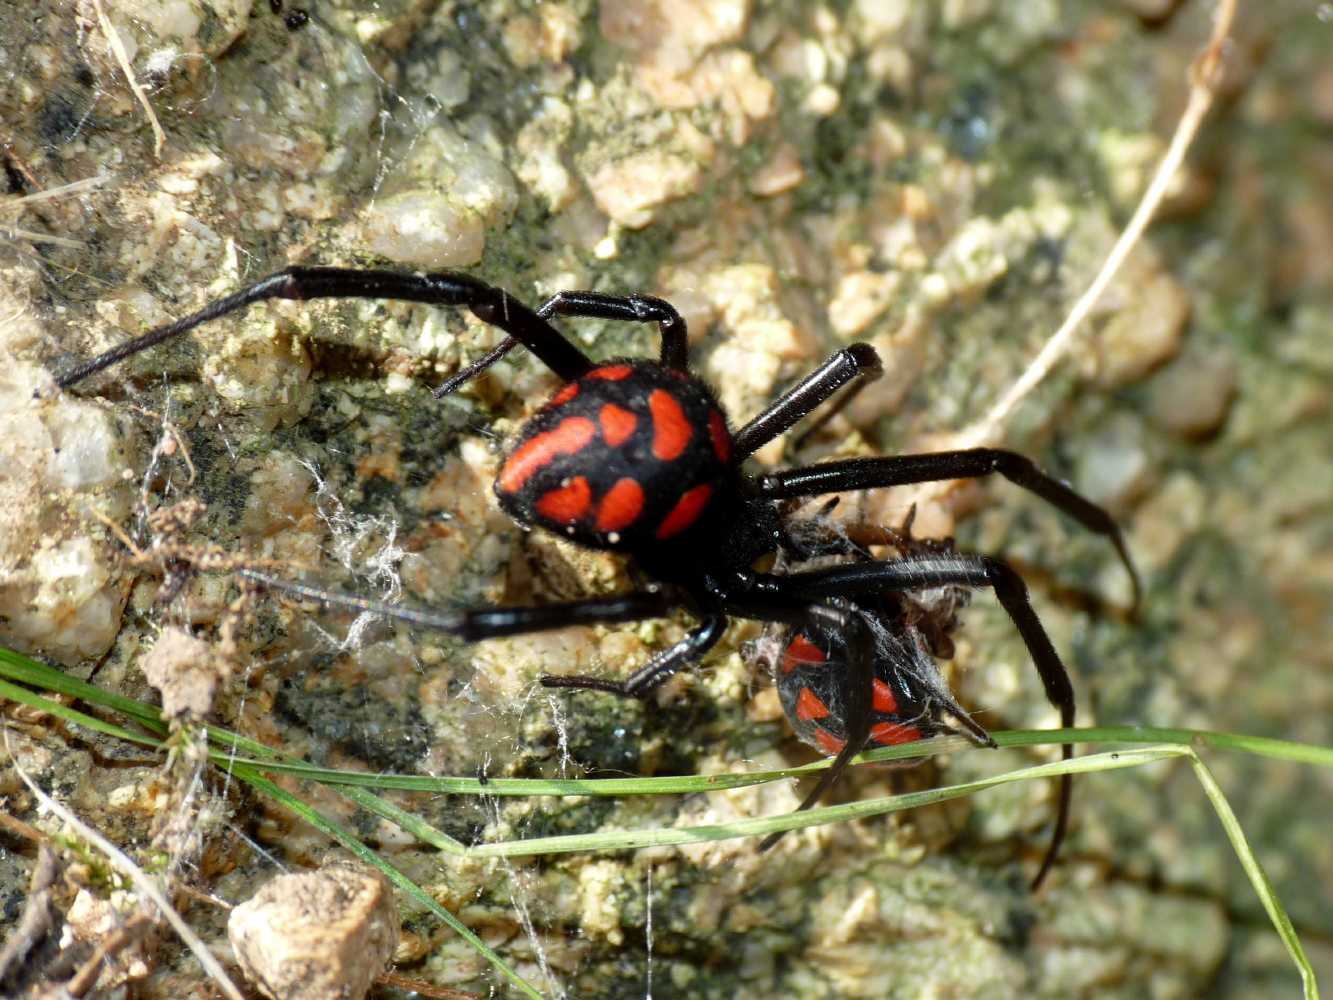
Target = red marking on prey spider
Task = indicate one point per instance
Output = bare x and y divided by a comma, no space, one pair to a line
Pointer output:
801,652
892,733
885,701
809,707
829,743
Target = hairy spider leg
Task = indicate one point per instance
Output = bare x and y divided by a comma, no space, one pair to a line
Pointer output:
923,572
903,470
837,406
475,624
657,670
445,288
596,305
856,361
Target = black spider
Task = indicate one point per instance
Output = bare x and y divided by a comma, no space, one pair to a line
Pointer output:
635,455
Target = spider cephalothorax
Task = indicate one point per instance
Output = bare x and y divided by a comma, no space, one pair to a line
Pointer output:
637,456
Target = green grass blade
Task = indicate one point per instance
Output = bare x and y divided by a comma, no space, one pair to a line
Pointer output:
1263,746
619,840
17,667
25,697
1258,878
691,784
415,825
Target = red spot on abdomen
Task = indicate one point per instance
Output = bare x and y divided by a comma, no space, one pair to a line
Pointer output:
564,395
717,428
617,424
612,373
686,512
621,505
671,429
801,652
885,701
892,733
809,707
568,503
829,743
566,438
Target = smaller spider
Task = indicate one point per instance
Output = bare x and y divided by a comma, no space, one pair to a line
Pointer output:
897,639
635,455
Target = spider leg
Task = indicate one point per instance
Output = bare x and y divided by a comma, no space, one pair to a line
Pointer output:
468,372
853,361
922,572
630,308
841,403
858,681
445,288
474,624
660,667
902,470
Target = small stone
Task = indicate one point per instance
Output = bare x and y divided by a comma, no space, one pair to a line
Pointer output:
58,590
878,20
631,190
1148,328
91,921
424,229
860,299
1115,468
1192,395
316,935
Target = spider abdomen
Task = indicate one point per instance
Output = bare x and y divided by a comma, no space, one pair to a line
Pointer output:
809,672
629,456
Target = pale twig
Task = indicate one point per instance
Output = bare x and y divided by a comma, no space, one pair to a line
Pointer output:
15,233
18,204
109,946
50,194
422,988
118,49
1205,74
141,881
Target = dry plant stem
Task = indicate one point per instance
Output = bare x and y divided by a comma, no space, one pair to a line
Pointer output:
36,921
1205,74
118,49
73,187
32,236
121,937
142,882
423,988
22,829
201,557
169,428
50,194
17,205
